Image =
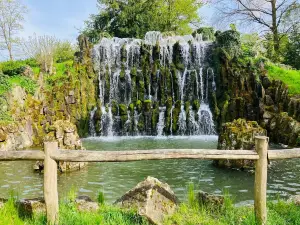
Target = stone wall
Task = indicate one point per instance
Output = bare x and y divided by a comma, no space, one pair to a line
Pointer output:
244,90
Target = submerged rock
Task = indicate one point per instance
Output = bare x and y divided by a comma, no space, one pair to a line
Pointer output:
238,135
153,199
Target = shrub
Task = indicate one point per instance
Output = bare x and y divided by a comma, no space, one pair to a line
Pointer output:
13,68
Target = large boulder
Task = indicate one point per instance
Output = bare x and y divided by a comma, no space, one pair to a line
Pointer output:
238,135
284,129
153,199
15,136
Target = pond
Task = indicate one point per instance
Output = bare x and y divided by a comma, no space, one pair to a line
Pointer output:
114,179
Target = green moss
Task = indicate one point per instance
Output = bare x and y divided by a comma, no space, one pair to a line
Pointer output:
123,109
131,108
147,105
139,106
196,105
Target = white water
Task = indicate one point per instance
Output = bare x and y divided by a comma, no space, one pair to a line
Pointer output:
161,121
91,123
112,56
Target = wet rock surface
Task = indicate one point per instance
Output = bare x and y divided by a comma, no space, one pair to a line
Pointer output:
238,135
153,199
65,133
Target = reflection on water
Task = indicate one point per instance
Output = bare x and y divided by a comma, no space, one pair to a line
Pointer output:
114,179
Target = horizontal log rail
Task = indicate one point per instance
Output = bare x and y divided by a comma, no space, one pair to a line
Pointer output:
52,154
157,154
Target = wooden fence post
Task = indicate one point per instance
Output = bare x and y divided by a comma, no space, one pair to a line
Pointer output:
260,185
50,183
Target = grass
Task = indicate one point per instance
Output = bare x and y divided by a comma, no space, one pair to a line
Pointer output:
6,83
189,213
289,76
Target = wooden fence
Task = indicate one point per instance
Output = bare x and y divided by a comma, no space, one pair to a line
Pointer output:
52,154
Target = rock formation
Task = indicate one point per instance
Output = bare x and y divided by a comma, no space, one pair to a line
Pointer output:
153,199
238,135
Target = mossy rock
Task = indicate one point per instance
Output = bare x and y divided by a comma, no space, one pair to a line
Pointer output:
123,109
147,105
139,106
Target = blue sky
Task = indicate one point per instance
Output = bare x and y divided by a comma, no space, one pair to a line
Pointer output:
63,18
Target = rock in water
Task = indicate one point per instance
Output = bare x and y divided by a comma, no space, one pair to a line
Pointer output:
153,199
65,133
238,135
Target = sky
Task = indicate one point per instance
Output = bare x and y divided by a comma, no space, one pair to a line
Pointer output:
64,18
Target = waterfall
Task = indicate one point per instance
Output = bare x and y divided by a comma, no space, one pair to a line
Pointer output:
182,121
136,121
206,121
161,121
171,123
92,123
128,122
138,76
194,127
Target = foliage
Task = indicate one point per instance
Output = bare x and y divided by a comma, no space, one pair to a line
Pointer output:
229,44
289,76
11,17
7,82
252,45
64,51
12,68
42,49
265,15
208,33
101,198
134,18
292,53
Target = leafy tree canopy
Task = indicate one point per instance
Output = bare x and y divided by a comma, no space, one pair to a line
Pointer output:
133,18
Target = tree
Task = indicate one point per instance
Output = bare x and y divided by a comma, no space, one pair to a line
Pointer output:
64,51
133,18
11,18
267,15
43,49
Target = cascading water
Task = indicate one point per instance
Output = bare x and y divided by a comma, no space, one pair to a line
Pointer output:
146,86
91,123
161,121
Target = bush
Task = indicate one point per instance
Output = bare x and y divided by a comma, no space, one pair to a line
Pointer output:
5,85
13,68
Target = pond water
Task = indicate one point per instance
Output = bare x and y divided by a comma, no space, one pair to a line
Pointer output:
114,179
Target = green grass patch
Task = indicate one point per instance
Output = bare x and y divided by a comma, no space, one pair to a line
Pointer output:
188,213
289,76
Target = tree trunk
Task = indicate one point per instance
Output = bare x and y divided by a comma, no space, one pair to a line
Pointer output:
275,27
10,52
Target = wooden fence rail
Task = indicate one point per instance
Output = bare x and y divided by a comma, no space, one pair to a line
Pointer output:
52,154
